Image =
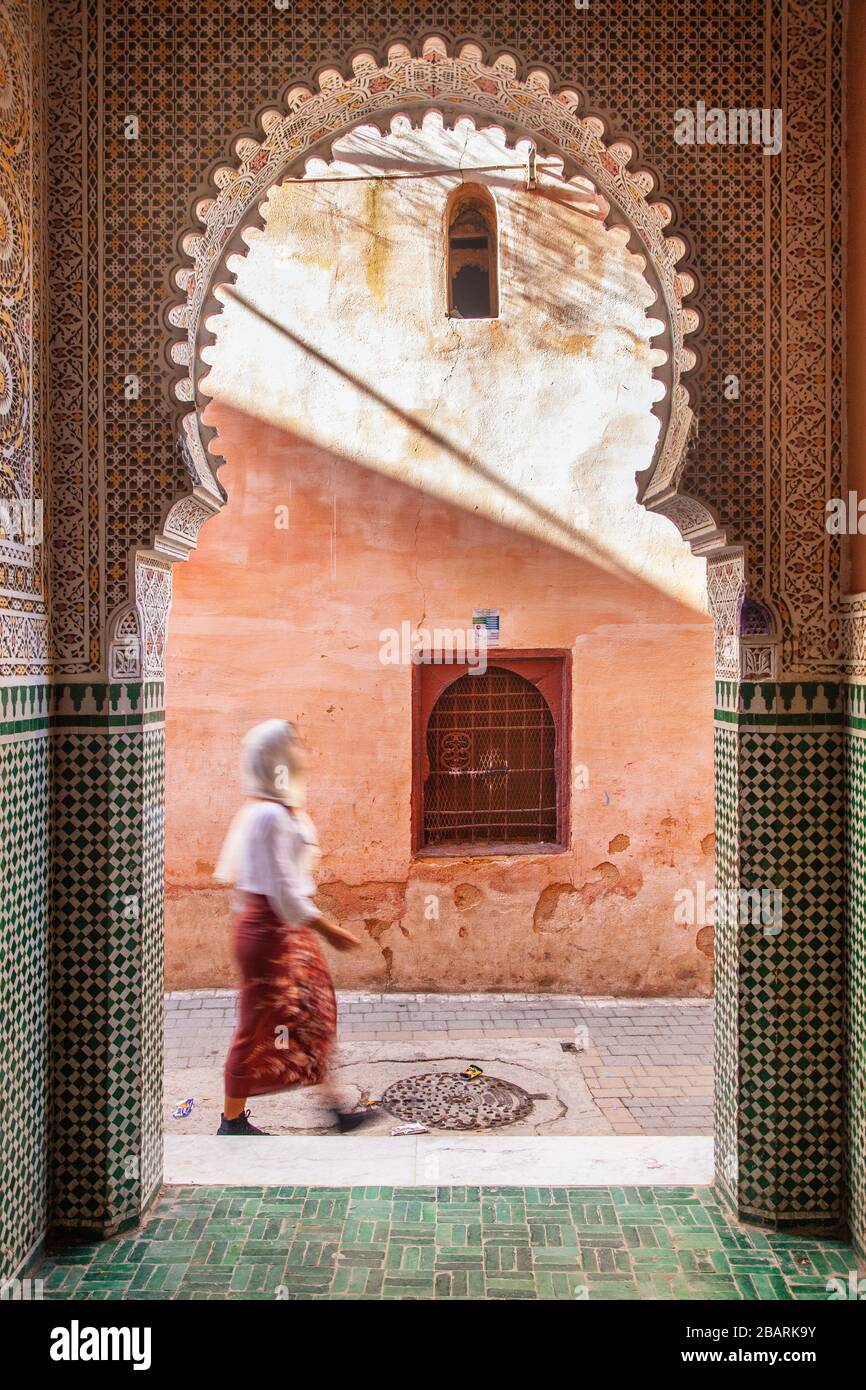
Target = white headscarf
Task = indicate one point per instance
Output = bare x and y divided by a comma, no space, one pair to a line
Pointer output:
271,773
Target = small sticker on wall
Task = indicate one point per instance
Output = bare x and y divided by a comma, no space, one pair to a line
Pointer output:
488,619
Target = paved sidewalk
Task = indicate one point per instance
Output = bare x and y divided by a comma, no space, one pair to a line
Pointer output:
647,1063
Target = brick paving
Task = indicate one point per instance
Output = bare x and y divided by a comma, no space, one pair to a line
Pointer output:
647,1062
469,1243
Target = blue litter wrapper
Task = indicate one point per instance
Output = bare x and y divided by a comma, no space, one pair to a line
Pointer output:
184,1109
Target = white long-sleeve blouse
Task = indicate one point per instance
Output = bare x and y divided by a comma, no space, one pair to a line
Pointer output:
273,858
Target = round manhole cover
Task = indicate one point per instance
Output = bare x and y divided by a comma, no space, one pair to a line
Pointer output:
445,1100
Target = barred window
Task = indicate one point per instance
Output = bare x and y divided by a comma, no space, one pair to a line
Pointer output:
493,769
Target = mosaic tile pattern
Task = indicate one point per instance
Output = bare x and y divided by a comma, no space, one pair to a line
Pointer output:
792,1022
152,951
780,1097
79,931
726,1038
24,893
472,1243
855,776
107,962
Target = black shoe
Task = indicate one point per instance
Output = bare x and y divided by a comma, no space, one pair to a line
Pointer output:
239,1125
347,1120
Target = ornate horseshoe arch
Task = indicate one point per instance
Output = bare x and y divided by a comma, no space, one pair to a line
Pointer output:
525,103
556,116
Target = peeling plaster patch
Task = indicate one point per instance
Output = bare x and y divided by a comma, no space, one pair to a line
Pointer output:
466,895
379,906
547,915
606,870
705,941
618,844
376,929
382,901
708,844
547,905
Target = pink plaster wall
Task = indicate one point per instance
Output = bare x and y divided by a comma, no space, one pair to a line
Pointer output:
286,622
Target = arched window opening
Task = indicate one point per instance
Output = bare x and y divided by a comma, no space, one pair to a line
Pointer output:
492,758
473,288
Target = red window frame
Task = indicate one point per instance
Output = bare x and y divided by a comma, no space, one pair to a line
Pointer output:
549,670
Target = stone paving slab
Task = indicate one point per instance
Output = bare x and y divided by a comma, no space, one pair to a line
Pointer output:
497,1157
562,1101
444,1242
646,1063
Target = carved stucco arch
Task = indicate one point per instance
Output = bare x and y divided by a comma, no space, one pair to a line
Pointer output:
457,80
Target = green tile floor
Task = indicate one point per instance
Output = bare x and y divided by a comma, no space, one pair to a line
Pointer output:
447,1242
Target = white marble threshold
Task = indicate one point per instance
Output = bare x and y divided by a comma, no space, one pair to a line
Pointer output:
419,1161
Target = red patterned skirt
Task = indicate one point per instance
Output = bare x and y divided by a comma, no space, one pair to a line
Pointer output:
288,1012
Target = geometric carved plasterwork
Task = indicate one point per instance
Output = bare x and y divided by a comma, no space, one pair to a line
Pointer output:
766,253
759,640
179,532
853,635
124,647
745,631
153,601
556,116
725,586
23,503
759,661
804,351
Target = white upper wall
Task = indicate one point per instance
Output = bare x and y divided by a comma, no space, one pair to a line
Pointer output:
538,419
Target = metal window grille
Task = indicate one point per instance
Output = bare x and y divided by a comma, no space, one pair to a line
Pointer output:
491,745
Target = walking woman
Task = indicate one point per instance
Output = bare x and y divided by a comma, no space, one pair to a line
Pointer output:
288,1013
